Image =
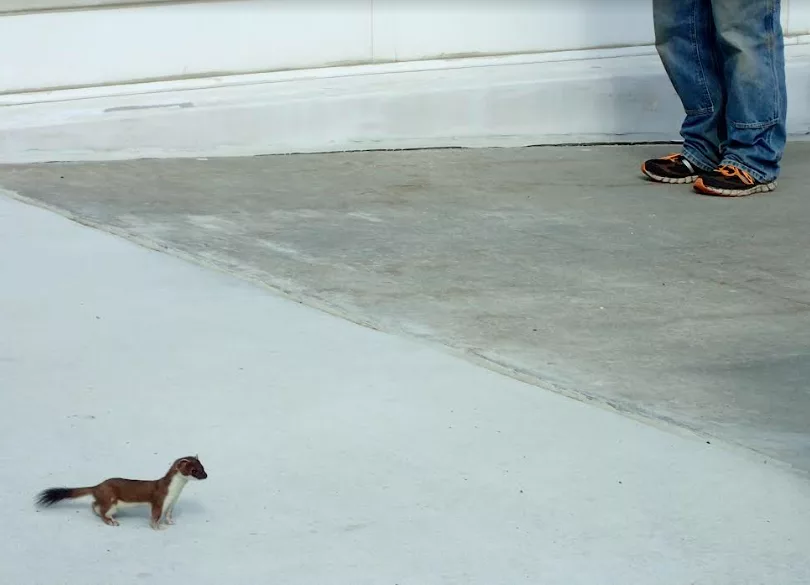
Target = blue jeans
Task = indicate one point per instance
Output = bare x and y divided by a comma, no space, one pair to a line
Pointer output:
726,60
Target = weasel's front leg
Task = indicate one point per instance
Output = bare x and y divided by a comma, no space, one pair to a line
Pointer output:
168,519
157,509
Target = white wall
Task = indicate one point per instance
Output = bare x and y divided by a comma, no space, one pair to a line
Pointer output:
36,5
106,46
134,43
408,30
168,40
798,13
241,77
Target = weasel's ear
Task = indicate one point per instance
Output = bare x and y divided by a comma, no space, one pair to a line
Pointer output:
183,460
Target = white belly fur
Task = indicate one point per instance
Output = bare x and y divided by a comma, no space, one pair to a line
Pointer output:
122,505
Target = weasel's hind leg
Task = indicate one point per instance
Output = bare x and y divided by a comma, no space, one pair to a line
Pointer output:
107,512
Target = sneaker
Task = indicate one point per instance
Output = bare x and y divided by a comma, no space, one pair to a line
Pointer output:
730,181
670,169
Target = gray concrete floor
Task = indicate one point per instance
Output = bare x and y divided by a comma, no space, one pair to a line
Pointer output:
557,265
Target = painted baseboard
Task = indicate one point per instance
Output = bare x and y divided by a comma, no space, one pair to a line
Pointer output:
578,97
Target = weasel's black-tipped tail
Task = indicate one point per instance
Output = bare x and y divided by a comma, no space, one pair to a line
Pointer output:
51,496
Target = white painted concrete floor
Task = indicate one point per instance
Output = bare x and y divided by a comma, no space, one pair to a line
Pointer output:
336,454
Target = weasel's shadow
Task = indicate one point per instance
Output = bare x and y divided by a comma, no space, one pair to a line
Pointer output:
188,508
183,508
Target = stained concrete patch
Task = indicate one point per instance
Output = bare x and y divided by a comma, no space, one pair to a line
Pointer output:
560,265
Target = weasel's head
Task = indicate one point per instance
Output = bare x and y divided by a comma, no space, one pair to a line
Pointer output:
190,468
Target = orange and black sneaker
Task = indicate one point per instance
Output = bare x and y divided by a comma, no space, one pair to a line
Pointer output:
673,168
731,181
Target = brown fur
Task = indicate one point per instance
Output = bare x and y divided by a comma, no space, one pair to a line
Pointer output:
110,493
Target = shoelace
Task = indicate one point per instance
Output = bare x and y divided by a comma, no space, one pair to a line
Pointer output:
680,158
731,172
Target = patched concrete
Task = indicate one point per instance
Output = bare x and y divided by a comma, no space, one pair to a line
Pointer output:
560,266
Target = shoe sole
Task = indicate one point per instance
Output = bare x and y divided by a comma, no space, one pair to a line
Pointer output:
669,180
701,188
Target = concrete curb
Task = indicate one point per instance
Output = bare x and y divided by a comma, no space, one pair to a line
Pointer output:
614,96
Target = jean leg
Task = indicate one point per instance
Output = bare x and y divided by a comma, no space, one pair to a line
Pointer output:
686,41
752,45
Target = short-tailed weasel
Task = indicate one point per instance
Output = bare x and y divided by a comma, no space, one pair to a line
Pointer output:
112,494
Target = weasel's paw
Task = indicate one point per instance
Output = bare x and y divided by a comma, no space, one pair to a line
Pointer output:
170,521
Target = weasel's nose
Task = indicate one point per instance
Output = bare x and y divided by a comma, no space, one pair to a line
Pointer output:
203,475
